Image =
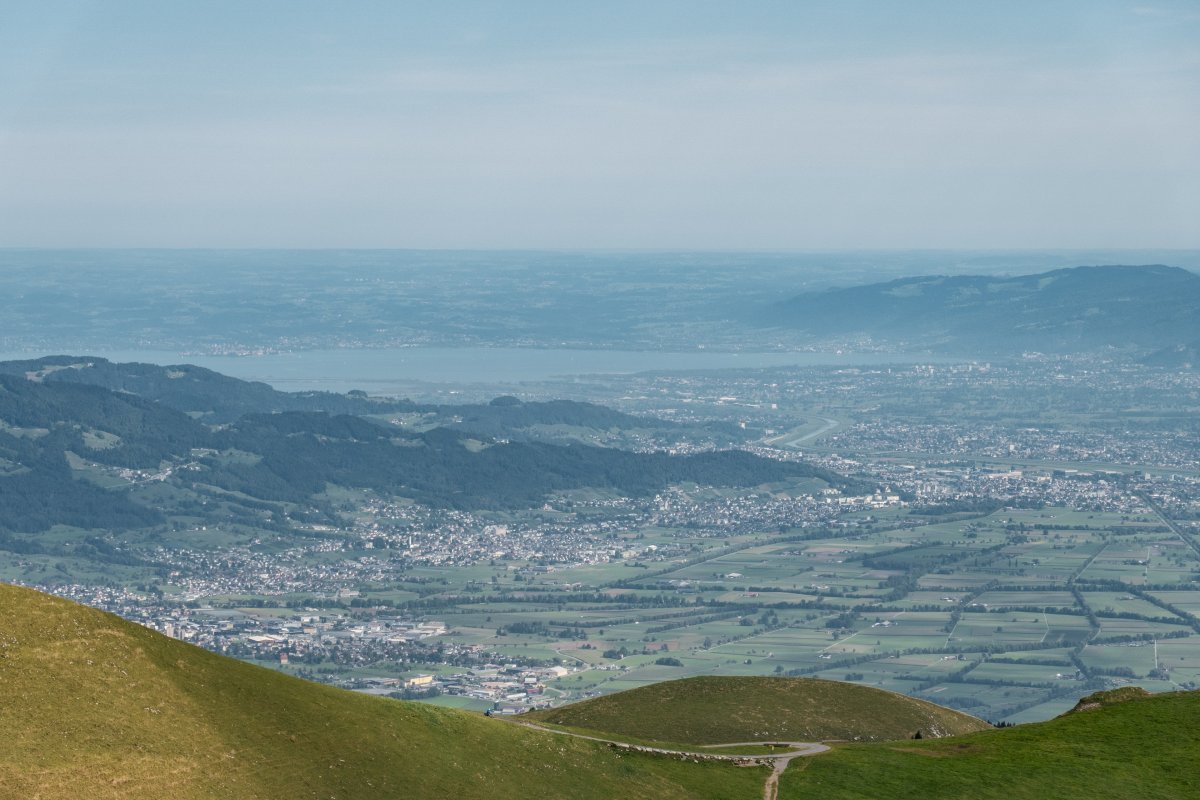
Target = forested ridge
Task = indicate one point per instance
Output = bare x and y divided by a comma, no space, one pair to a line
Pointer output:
59,437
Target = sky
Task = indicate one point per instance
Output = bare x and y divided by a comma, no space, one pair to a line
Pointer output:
617,125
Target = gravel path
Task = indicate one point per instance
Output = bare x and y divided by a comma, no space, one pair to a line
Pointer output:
778,761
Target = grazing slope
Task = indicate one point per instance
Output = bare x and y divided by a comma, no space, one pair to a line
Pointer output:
1143,748
711,710
1066,310
93,706
1109,698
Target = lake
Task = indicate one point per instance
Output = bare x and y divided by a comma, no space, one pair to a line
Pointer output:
378,370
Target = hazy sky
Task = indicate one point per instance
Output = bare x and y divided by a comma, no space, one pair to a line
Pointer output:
726,125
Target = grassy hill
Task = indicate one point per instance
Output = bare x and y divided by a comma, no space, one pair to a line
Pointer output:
713,710
1144,748
93,706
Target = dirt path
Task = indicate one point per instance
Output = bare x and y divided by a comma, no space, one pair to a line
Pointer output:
779,761
771,787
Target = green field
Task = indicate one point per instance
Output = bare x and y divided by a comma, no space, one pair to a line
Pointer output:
1002,585
901,602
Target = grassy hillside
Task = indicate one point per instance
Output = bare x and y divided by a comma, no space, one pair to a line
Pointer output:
712,710
1144,748
93,706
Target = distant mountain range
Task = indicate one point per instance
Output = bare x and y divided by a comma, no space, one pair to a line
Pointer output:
1139,309
89,456
1179,356
202,393
214,399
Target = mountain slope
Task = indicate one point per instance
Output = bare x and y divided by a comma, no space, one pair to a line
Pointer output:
712,710
40,425
61,442
209,395
1143,748
301,453
92,706
1066,310
1185,355
214,398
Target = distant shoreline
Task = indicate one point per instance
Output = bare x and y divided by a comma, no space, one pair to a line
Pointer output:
344,369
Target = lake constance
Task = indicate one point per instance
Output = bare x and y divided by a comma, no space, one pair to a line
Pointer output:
379,371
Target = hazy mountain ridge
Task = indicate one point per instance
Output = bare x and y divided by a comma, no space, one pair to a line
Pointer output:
301,452
506,415
214,398
209,395
41,425
1065,310
1179,356
64,445
225,301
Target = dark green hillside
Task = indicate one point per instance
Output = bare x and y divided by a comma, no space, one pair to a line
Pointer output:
145,432
506,416
1143,748
509,412
92,706
301,453
712,710
66,448
220,398
213,396
40,425
1066,310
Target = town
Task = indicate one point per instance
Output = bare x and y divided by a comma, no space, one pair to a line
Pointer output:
1019,544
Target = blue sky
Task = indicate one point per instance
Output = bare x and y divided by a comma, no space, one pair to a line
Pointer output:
749,125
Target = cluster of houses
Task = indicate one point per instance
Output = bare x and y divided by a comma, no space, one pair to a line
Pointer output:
509,688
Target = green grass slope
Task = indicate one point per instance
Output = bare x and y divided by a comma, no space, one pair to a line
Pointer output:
1109,698
93,706
712,710
1143,748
